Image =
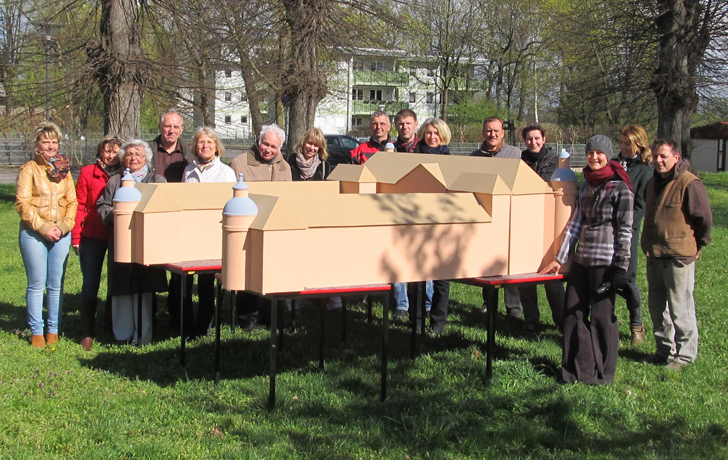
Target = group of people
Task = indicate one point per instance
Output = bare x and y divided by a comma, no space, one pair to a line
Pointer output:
56,215
602,236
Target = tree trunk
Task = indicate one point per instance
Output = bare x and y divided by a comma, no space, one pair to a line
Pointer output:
119,67
304,83
683,28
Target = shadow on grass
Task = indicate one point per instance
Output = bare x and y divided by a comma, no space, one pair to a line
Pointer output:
15,317
245,355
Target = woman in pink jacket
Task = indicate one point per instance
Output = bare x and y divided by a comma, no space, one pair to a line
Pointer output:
90,236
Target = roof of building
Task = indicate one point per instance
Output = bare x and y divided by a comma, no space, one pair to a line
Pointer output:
713,131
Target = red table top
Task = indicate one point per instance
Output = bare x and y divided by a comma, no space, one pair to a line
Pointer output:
189,266
511,279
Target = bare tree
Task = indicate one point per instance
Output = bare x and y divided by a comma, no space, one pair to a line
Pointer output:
119,66
685,29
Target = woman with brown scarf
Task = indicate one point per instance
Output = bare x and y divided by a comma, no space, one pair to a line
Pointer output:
45,198
601,224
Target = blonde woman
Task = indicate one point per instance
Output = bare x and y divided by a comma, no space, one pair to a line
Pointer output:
309,162
45,198
635,157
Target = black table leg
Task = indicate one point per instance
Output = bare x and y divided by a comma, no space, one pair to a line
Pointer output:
273,355
322,339
343,321
140,321
385,348
218,305
368,300
233,311
182,290
490,345
293,315
417,316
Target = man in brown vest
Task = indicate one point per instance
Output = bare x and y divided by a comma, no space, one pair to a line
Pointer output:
677,226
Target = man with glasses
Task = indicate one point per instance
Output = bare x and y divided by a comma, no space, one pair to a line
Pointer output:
379,127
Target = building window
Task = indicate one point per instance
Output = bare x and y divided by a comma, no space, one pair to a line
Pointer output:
375,94
228,73
228,97
227,119
357,94
430,98
412,98
357,121
243,119
376,66
358,65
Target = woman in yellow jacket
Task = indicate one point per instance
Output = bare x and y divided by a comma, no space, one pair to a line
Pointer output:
45,198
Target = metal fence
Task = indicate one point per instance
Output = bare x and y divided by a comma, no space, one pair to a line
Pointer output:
17,148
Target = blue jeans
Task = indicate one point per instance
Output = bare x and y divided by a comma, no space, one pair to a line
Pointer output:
45,267
400,295
91,253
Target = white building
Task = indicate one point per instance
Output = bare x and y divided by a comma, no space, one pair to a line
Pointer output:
363,83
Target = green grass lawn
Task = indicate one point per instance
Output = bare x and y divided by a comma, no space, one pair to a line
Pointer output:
128,403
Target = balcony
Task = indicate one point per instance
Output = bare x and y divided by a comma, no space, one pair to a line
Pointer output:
380,78
369,107
468,84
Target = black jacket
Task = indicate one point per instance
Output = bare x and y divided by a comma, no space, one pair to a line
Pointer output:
544,162
323,170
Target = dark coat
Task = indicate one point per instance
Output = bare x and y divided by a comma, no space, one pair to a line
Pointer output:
544,162
127,278
639,174
323,170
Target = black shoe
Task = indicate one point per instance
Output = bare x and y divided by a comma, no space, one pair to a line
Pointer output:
400,314
514,315
529,327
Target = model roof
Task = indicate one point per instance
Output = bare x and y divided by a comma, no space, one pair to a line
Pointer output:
456,173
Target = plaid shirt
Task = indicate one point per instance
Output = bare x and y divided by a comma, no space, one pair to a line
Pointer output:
601,224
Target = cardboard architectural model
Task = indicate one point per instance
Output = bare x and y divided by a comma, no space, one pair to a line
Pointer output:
397,218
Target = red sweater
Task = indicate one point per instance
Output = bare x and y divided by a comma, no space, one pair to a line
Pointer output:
365,151
90,186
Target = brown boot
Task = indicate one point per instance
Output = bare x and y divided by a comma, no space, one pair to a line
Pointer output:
87,343
51,339
638,335
37,341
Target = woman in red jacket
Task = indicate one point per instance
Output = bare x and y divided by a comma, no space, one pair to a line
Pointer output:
90,236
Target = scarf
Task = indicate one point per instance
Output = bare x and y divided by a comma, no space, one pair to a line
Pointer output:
201,165
57,166
530,157
140,174
440,150
409,147
613,170
109,170
627,162
307,169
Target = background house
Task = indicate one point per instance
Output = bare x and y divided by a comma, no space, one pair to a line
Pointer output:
709,147
360,84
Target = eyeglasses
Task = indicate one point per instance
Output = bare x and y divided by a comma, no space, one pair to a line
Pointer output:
136,154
